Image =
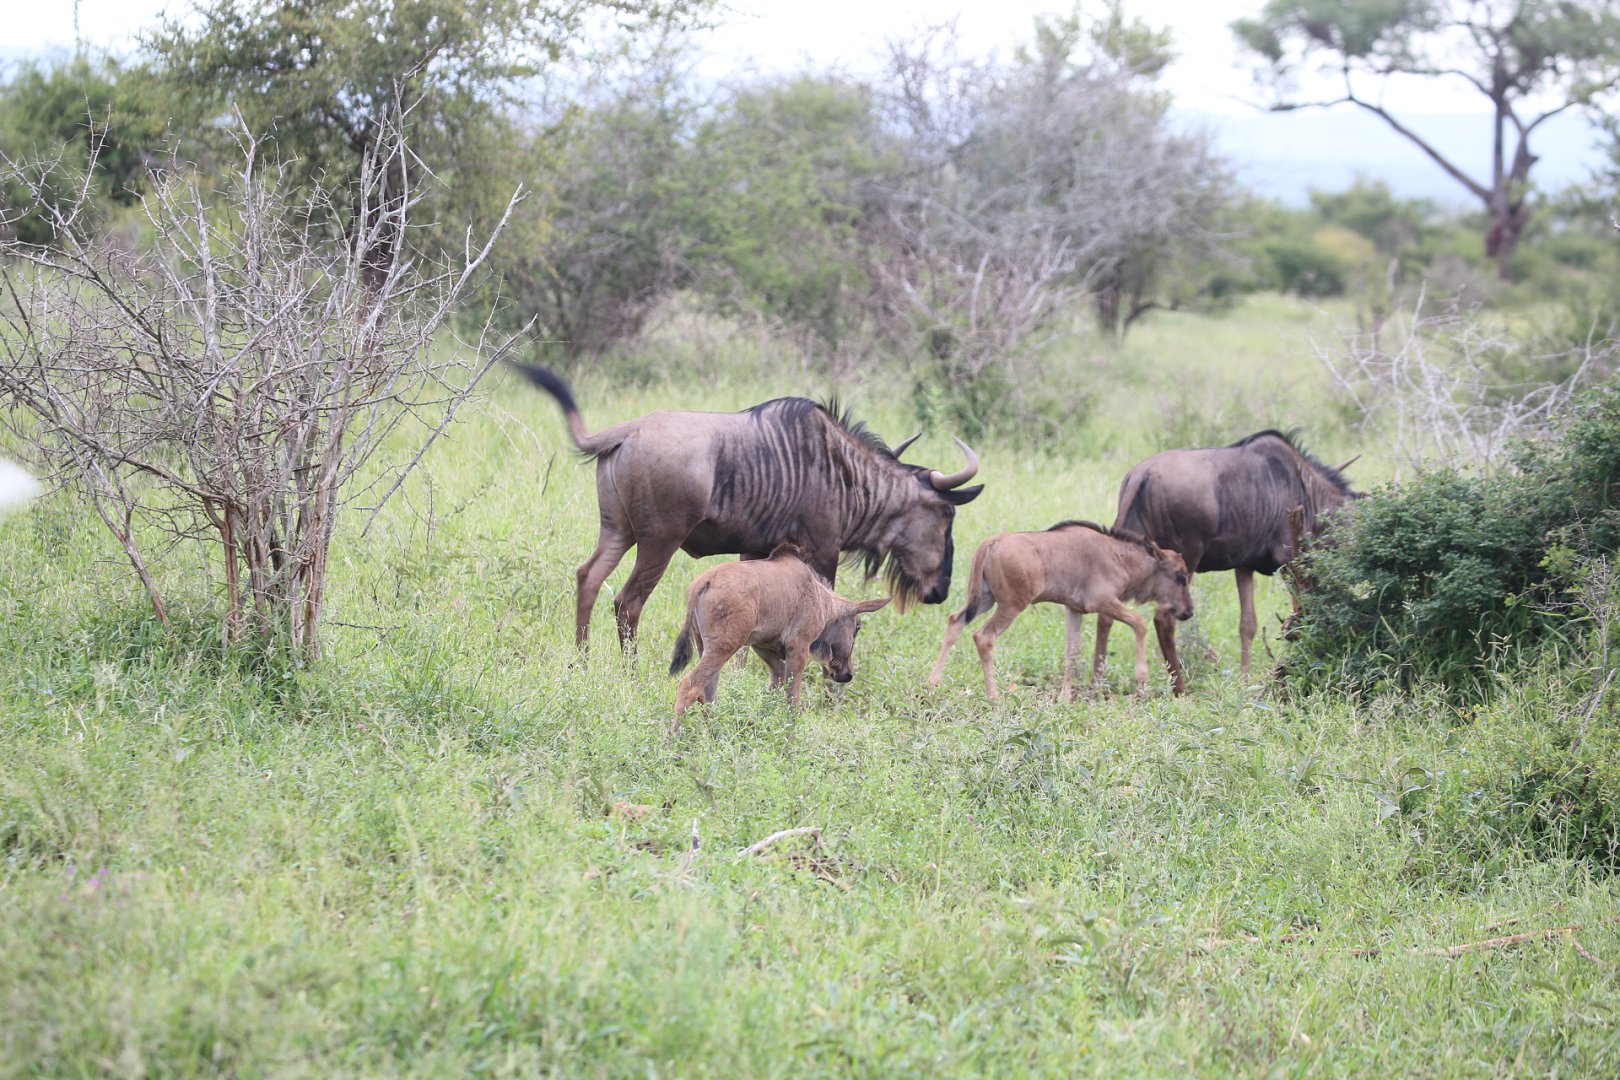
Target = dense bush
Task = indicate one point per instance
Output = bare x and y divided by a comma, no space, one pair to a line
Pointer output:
1452,575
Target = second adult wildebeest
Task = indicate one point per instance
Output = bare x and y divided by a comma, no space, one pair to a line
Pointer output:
741,483
1226,508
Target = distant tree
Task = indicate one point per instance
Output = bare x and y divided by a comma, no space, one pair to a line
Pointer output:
793,168
319,77
613,236
74,113
1056,174
1530,59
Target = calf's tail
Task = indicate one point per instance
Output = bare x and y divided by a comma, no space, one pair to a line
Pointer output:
683,644
979,595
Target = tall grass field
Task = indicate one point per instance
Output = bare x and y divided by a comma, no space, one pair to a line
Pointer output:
455,846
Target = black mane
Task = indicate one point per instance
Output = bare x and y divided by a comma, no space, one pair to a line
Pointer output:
1292,440
798,408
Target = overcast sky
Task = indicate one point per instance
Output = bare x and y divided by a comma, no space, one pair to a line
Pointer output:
1281,155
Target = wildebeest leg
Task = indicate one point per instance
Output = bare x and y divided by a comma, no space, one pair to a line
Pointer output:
985,640
1247,623
797,658
1099,659
774,660
702,683
611,545
1124,614
1164,623
953,630
652,557
1073,618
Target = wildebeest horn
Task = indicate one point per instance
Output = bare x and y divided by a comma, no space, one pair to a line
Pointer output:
1349,463
902,447
942,482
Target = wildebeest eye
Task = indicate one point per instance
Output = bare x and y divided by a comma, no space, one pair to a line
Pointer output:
1181,579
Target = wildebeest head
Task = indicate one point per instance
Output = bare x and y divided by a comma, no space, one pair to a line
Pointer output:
836,645
916,554
1170,584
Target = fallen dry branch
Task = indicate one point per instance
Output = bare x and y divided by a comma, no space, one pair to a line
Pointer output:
760,846
1497,942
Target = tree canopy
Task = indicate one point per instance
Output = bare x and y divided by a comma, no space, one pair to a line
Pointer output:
1529,59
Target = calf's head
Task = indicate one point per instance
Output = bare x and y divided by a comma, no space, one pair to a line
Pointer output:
836,644
1169,586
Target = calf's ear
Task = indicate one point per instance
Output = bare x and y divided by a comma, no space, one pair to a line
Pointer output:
867,606
820,649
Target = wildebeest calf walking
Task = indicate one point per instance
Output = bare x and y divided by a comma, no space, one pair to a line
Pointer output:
1080,565
781,608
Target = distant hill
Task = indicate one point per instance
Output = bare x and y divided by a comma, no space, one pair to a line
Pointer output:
1284,155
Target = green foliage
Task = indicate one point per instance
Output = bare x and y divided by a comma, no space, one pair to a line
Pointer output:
68,115
1301,267
1450,577
789,170
317,78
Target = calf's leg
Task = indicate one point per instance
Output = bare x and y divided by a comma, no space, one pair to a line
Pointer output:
1164,624
702,683
1099,659
953,630
1124,614
1073,618
775,662
985,640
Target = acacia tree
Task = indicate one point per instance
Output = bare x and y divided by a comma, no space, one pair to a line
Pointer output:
1529,59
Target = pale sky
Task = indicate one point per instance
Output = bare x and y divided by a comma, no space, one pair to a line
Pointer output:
1280,155
777,34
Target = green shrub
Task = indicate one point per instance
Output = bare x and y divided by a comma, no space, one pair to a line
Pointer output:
1452,576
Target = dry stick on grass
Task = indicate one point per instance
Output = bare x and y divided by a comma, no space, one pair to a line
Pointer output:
1497,942
761,846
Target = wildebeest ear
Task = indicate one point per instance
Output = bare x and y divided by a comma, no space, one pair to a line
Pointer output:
961,496
1153,549
820,649
866,607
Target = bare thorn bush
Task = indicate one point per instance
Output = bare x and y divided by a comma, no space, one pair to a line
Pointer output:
1452,388
234,378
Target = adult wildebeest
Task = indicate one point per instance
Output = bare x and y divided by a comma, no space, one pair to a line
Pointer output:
1227,508
779,607
742,483
1080,565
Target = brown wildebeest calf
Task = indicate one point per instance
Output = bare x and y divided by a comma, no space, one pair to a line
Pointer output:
780,607
1080,565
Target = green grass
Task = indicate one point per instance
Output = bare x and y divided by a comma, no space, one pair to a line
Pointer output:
455,847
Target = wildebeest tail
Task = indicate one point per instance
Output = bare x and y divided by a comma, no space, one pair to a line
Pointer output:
553,384
1132,495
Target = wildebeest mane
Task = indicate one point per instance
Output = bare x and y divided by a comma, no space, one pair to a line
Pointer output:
905,589
795,409
1123,535
1291,437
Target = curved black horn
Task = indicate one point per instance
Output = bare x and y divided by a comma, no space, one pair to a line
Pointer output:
902,447
942,482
